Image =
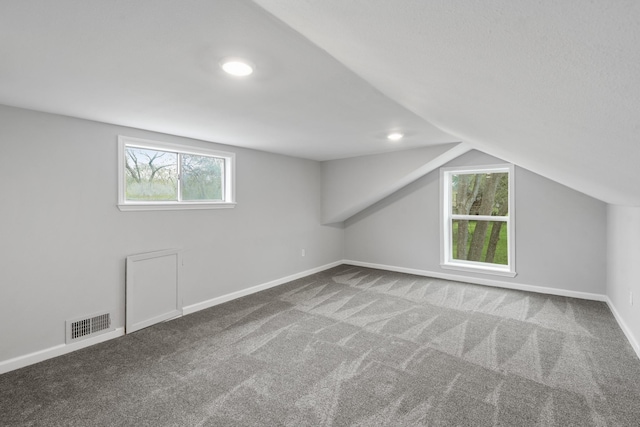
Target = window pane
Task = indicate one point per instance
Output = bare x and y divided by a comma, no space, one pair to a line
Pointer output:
202,177
151,175
480,194
481,241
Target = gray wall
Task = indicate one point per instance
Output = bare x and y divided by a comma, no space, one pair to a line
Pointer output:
623,274
351,185
64,241
560,233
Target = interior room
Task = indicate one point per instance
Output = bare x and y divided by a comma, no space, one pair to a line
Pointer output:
264,212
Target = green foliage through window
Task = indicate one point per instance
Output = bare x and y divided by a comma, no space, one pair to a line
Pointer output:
481,194
491,241
160,176
478,229
202,177
151,175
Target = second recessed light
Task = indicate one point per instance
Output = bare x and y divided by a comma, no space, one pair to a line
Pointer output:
237,67
395,136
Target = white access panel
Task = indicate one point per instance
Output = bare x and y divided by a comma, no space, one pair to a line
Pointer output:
153,288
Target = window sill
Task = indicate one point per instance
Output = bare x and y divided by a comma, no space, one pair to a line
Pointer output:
496,271
173,206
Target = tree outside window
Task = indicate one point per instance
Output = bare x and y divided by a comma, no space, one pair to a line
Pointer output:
477,218
156,175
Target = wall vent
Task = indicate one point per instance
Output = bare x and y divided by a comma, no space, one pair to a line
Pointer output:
87,327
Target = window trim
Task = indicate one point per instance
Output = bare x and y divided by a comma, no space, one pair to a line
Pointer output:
129,205
446,216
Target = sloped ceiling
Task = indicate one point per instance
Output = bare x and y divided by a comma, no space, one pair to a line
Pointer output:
352,185
549,85
553,86
154,64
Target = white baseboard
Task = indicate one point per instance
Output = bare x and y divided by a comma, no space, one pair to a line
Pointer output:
58,350
632,340
233,295
481,281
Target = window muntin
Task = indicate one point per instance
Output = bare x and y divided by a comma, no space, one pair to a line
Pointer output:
477,219
155,175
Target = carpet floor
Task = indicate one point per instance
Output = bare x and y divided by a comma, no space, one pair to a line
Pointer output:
349,346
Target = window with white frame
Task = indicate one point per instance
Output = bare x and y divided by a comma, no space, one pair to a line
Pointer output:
157,175
478,228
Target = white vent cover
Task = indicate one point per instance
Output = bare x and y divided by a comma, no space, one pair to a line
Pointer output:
86,327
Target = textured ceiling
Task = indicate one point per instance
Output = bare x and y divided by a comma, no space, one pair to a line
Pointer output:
153,64
553,86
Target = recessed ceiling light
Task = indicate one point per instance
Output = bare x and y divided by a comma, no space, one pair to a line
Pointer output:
237,67
395,136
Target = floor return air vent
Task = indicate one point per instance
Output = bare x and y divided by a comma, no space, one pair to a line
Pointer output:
87,327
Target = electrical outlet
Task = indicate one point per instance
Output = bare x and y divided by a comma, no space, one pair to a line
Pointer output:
303,252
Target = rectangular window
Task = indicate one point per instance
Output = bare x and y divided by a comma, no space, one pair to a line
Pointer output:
157,176
478,219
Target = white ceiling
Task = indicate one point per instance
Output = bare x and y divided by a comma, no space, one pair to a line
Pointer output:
550,85
154,64
553,86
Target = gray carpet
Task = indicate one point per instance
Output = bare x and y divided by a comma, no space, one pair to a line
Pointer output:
348,347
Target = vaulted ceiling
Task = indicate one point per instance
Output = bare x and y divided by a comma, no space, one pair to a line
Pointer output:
552,86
